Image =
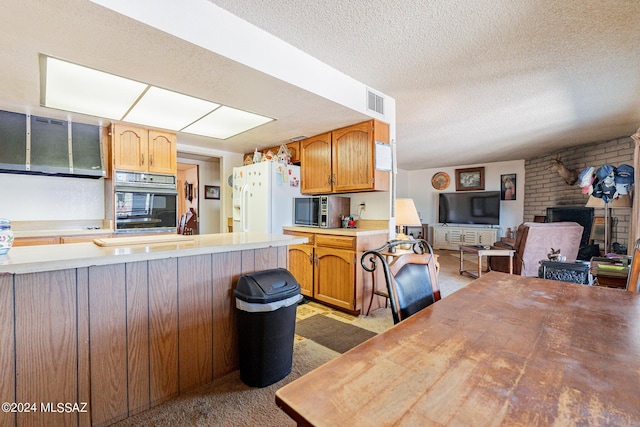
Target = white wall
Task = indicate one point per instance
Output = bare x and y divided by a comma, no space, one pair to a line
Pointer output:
403,184
377,205
418,187
41,198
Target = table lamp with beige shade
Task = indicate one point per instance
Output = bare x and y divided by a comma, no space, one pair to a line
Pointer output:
406,216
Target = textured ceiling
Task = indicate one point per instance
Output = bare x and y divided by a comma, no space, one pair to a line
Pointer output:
477,80
474,81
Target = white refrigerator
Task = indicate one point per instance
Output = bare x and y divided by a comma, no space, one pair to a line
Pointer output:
263,196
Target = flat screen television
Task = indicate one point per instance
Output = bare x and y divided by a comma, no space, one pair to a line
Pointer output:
477,207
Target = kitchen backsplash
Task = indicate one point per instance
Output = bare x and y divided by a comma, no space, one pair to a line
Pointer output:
34,197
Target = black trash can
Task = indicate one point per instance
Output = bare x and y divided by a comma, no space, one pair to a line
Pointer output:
266,303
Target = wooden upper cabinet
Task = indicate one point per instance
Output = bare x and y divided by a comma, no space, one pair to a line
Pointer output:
163,154
142,150
352,158
343,161
315,164
294,150
130,146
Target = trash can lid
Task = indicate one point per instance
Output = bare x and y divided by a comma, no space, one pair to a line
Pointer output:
266,286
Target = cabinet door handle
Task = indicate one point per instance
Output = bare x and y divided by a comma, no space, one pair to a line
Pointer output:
329,179
316,260
311,259
150,159
142,157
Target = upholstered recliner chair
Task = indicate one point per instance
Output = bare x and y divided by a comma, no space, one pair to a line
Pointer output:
534,241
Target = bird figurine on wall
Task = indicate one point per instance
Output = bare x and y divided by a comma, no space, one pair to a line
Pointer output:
570,176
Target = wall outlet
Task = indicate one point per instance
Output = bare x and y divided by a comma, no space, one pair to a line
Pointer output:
363,206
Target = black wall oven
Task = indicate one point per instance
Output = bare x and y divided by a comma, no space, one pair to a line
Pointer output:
145,202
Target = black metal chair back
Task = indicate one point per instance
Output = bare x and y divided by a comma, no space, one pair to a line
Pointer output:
410,277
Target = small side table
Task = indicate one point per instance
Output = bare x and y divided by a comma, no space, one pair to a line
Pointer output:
481,252
607,273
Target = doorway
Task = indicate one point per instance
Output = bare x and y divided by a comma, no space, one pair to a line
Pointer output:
201,172
188,194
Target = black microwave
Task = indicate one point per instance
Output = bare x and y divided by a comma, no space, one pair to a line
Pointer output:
321,211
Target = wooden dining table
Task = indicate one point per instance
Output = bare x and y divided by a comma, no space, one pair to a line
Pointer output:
503,351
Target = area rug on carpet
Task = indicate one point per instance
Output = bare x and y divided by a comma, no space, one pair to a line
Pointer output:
334,334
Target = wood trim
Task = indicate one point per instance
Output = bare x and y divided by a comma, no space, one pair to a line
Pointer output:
283,256
84,366
107,329
195,320
46,343
30,241
332,241
266,259
163,329
137,336
248,262
7,343
226,269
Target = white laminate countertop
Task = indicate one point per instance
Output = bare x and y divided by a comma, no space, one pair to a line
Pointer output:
337,231
40,258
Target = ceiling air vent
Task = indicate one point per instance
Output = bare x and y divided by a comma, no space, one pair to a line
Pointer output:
375,102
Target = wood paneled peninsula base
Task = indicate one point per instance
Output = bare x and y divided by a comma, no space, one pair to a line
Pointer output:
121,328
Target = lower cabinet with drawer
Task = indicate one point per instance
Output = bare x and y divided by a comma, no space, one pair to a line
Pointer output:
328,268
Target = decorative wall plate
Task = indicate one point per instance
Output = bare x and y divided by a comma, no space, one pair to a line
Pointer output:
440,181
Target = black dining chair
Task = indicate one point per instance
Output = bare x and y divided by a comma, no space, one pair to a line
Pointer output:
410,275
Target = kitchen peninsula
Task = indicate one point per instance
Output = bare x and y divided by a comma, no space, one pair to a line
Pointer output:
121,328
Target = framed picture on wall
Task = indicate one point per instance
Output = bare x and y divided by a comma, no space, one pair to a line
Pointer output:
212,192
508,186
470,179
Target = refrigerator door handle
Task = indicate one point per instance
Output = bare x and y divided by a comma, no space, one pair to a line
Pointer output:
244,219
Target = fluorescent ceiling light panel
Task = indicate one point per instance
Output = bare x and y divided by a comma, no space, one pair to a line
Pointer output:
226,122
71,87
169,110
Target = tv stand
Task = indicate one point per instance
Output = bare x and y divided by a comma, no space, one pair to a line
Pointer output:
452,236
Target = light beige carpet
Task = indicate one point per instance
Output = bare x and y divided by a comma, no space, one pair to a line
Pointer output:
229,402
